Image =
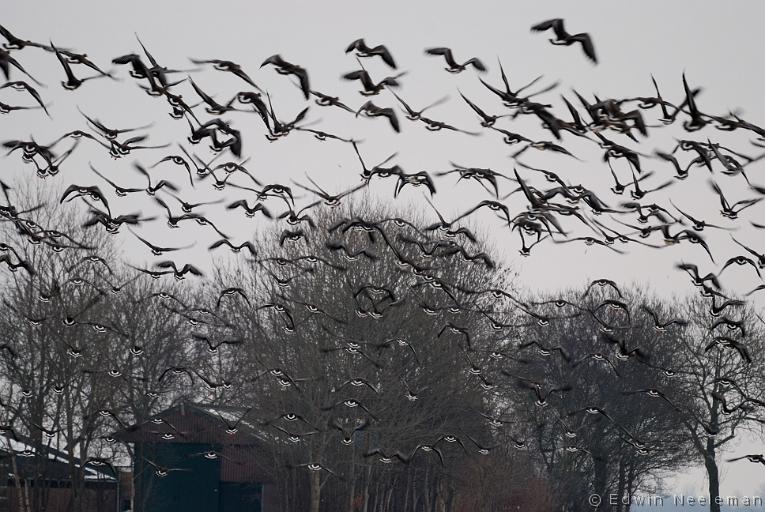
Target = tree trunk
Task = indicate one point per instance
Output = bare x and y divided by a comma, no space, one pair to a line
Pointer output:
450,499
426,489
440,496
415,494
714,476
710,451
408,488
630,485
621,491
27,506
352,491
23,505
315,491
600,481
294,486
366,489
377,495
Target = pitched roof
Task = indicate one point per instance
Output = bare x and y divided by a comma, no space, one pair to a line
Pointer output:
244,447
190,422
57,466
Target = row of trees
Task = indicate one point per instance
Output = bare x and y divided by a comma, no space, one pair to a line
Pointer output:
411,376
647,399
83,344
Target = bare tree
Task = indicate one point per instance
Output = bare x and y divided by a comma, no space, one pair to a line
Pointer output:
52,337
81,354
577,387
358,346
722,380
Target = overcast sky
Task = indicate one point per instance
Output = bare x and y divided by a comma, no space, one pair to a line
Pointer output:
717,45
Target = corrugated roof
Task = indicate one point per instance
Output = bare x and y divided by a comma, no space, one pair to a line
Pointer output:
196,423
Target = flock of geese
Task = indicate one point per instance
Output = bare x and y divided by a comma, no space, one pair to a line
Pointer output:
535,204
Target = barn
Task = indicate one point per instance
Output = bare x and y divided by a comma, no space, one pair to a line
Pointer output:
195,457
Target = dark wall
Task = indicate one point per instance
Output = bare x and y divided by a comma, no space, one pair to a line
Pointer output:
240,497
192,484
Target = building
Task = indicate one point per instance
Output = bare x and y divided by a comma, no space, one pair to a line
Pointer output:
44,483
196,457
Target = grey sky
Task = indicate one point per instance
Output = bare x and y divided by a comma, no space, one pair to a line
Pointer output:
717,44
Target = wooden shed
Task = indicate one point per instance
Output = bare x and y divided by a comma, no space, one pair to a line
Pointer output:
196,457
